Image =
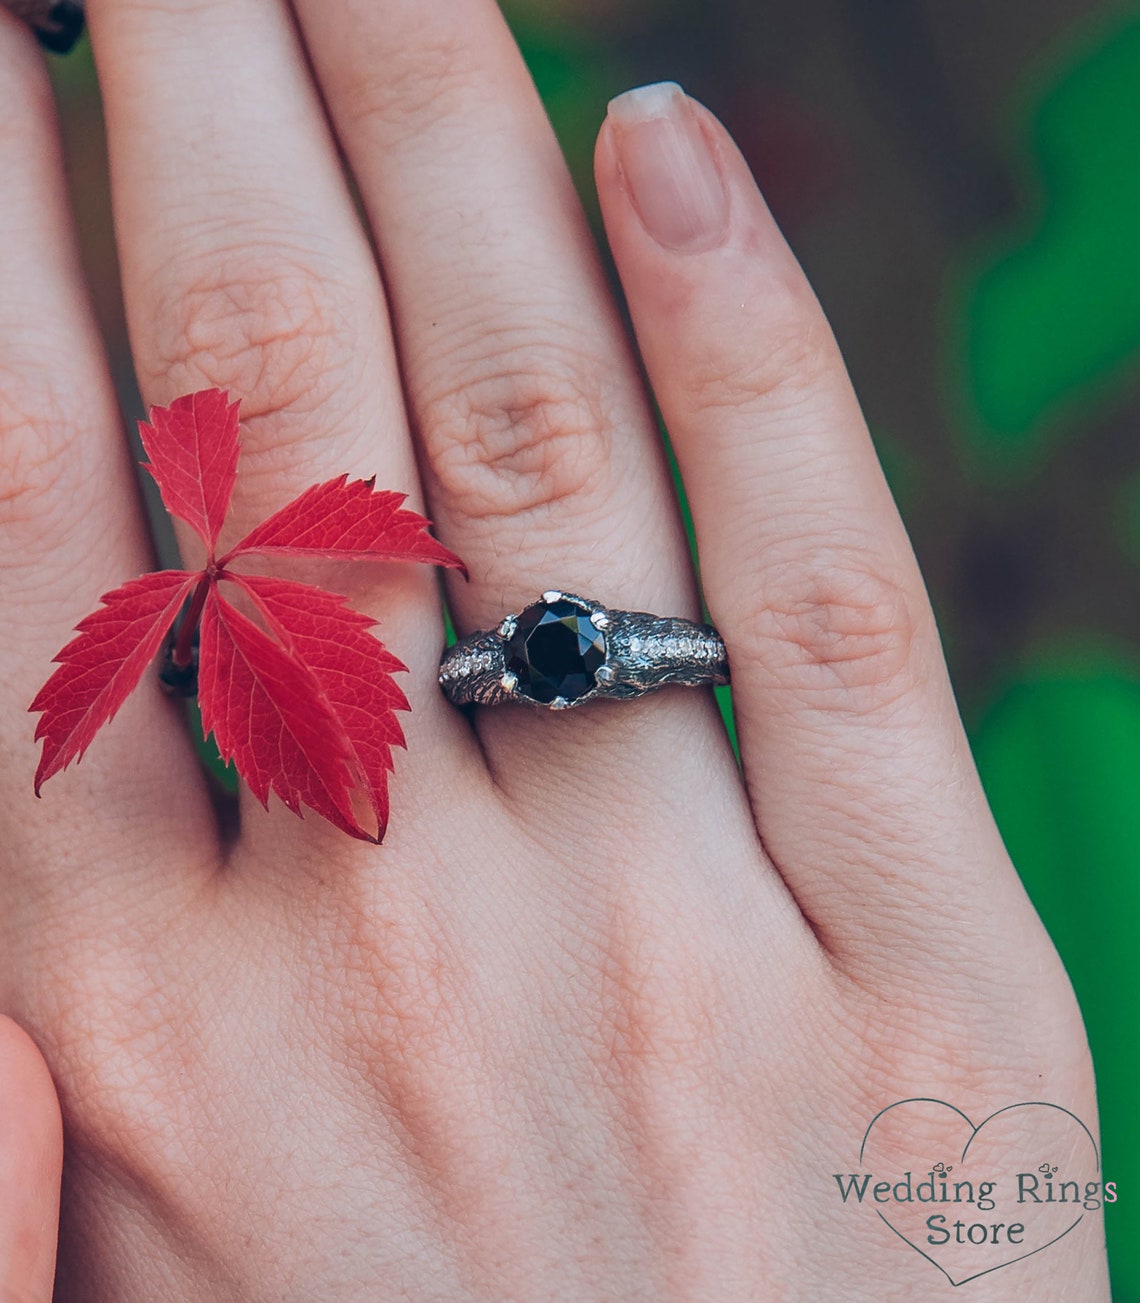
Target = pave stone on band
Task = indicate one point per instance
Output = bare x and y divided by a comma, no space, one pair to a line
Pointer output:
564,650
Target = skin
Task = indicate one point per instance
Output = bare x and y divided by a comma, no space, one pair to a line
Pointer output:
605,1011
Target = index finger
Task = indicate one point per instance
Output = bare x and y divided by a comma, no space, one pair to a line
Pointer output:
71,529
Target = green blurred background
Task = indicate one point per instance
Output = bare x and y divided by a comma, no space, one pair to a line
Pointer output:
962,184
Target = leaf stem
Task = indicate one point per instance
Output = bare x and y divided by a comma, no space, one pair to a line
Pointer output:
183,648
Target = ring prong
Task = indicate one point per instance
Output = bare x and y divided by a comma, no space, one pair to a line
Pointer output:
552,595
559,703
605,675
508,626
600,620
510,681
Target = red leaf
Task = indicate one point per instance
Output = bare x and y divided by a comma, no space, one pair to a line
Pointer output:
347,520
193,451
270,716
310,716
352,666
99,669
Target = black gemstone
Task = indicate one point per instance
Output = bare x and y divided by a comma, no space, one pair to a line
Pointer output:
555,651
61,27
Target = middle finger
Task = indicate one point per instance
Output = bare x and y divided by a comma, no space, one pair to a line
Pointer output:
542,461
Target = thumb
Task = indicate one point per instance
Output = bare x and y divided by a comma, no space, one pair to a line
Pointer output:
31,1158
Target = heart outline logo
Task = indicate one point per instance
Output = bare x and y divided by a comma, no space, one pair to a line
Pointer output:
974,1131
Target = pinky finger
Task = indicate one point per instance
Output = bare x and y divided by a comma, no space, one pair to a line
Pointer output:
31,1157
861,779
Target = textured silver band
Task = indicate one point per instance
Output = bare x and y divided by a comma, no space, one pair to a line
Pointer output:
643,652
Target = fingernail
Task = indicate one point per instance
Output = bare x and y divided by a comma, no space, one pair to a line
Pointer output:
668,167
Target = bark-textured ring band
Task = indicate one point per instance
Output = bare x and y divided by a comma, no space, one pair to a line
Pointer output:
58,24
563,650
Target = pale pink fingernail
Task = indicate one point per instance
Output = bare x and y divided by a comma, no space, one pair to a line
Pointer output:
668,167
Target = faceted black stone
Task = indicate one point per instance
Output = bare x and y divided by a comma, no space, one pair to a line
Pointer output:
555,651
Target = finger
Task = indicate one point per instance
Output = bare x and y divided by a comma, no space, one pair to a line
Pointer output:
70,529
860,776
245,267
542,462
31,1158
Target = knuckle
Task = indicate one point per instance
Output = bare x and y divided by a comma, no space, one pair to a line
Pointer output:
791,353
660,999
38,432
407,83
268,327
517,441
837,633
108,1057
399,996
661,1013
972,1045
402,996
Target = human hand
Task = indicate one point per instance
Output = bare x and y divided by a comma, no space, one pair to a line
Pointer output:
600,1017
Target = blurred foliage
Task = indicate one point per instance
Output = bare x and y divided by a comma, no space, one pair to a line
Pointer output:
1059,754
900,466
225,775
575,74
1054,317
1127,512
1051,335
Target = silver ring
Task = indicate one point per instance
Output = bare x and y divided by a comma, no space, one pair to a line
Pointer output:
564,650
